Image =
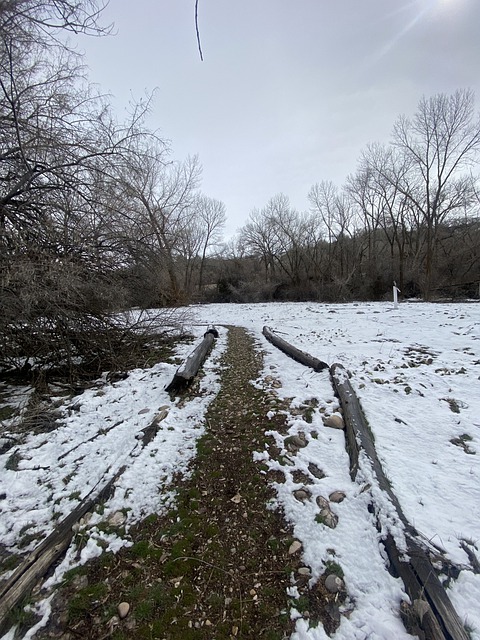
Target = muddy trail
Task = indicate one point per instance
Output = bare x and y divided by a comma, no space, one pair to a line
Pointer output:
220,563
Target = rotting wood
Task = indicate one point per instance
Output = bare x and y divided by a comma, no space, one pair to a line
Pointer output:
37,563
191,365
418,575
300,356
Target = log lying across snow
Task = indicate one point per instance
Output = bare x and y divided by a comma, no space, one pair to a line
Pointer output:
293,352
190,366
437,616
37,563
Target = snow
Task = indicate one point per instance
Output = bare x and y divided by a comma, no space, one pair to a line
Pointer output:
416,371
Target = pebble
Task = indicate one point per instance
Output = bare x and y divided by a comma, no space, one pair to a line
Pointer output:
315,471
329,518
297,441
337,496
123,609
333,583
334,421
301,495
161,415
117,519
322,502
294,547
304,571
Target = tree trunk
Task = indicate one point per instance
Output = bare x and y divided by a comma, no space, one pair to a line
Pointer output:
418,574
293,352
190,366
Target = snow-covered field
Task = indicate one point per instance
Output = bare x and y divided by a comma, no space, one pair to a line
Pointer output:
416,370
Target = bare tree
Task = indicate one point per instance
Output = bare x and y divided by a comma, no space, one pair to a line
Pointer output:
59,150
210,217
439,145
158,198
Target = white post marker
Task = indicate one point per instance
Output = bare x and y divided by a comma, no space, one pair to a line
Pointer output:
396,291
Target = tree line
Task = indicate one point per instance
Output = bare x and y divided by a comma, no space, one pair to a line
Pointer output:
409,214
96,216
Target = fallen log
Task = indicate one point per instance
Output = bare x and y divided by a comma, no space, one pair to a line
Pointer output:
190,366
37,563
438,618
293,352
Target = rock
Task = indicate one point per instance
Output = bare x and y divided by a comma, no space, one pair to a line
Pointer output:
294,547
326,515
298,442
334,611
322,502
117,519
329,518
304,571
302,495
333,583
315,471
123,609
337,496
161,415
334,421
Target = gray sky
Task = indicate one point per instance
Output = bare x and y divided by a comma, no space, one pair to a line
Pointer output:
290,91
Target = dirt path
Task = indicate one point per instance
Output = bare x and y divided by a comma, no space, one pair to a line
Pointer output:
218,565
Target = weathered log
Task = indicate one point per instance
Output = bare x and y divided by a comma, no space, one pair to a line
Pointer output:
37,563
190,366
300,356
426,617
418,575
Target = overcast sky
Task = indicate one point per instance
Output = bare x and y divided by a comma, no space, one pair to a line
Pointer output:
290,91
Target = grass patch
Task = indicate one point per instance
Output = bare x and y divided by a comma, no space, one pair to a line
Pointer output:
85,600
10,563
335,568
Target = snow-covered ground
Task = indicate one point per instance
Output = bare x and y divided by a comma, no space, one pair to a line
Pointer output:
416,371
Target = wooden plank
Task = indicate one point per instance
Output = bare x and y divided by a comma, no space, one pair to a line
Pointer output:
300,356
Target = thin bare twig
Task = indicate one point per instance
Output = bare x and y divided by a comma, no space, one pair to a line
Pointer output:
198,32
